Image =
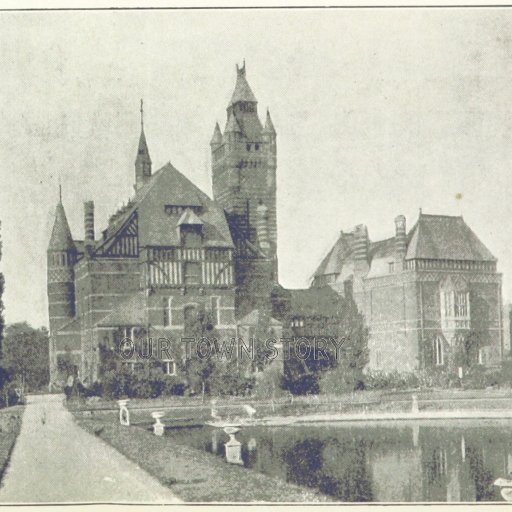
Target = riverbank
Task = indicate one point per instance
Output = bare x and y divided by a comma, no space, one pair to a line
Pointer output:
193,475
10,425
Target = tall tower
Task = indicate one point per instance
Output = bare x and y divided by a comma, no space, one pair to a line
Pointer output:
61,257
143,160
244,183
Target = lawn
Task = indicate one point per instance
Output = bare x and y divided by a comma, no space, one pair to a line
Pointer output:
193,475
10,423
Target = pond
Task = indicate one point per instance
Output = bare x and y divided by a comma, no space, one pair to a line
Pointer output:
391,462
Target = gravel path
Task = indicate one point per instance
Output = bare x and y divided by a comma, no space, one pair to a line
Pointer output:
55,461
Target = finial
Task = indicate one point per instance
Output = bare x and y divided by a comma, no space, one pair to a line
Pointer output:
60,193
421,211
142,114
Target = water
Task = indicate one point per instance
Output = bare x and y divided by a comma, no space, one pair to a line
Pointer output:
392,462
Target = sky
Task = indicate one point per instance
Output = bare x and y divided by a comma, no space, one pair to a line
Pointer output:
378,113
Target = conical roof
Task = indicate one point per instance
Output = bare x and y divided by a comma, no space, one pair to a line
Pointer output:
61,239
217,135
143,151
232,125
242,90
269,125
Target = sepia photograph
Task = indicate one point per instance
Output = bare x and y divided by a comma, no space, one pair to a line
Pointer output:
256,255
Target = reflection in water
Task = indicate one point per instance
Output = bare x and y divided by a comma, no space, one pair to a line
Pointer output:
393,462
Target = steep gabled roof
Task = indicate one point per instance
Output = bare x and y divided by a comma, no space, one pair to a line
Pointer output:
333,261
156,227
131,312
443,237
61,239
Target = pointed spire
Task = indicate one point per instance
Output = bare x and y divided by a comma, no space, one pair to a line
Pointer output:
232,125
61,239
217,135
269,125
143,160
242,90
143,151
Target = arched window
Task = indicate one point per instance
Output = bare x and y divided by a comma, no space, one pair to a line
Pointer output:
438,351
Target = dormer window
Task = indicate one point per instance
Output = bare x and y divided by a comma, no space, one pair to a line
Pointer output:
190,228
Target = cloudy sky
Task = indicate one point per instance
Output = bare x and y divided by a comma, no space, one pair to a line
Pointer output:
378,113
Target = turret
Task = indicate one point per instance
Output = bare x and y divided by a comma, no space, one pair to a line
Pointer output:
216,138
143,160
61,258
269,132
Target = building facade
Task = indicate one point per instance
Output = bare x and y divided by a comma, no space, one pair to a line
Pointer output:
172,254
423,293
173,258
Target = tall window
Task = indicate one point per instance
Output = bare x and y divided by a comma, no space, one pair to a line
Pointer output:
167,306
456,304
215,310
438,351
192,273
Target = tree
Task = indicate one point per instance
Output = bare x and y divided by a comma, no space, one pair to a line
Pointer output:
198,365
25,356
353,355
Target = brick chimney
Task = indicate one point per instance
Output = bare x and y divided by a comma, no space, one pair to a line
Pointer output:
400,237
89,226
361,248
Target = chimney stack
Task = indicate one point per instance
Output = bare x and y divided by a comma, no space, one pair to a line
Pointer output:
89,226
400,236
361,243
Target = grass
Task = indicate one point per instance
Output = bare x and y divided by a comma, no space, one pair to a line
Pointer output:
10,423
193,475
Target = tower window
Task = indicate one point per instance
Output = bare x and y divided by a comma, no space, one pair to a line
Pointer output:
391,266
257,147
248,146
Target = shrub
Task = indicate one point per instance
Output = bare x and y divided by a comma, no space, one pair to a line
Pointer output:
390,380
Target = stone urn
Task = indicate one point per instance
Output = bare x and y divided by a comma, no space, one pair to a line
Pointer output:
158,427
233,447
124,413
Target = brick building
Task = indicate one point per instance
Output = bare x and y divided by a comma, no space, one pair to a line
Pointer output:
421,292
172,251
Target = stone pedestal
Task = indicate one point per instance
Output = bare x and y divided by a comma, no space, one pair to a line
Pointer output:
158,427
233,447
124,413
